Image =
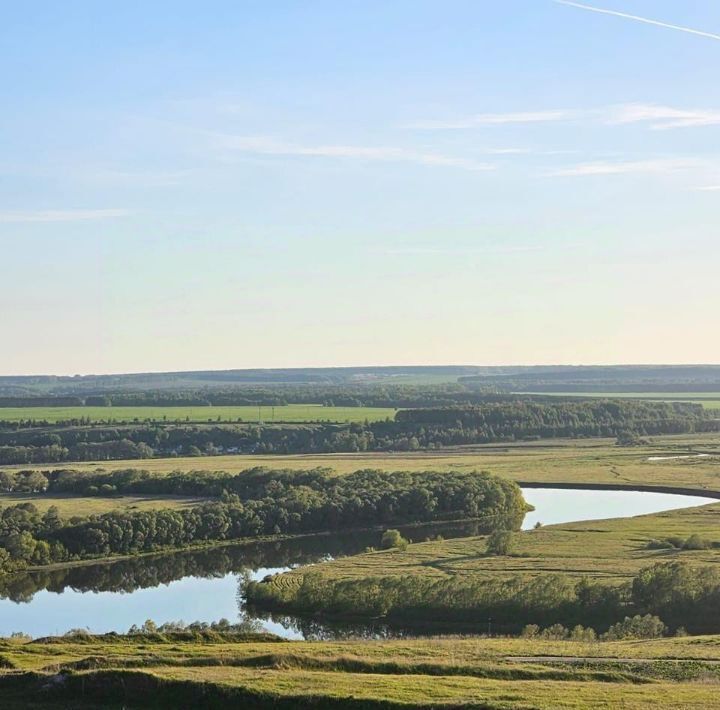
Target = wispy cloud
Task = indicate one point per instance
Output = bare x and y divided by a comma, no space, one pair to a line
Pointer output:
657,117
708,188
496,119
663,117
260,145
61,215
637,18
661,166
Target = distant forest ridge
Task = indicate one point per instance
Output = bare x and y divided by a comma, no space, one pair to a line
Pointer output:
546,378
319,375
617,378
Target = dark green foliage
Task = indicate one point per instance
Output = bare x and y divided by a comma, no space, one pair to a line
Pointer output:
492,419
636,627
262,502
39,401
694,542
562,418
470,599
681,594
392,539
500,542
677,593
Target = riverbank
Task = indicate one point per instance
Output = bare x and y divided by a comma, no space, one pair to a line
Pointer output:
247,541
455,580
636,487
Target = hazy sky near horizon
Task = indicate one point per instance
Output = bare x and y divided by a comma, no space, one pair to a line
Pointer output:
232,184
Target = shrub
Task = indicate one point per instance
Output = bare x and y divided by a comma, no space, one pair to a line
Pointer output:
556,632
637,627
500,542
695,542
393,540
580,633
77,632
530,631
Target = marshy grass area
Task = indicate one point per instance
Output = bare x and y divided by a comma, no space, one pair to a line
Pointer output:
612,550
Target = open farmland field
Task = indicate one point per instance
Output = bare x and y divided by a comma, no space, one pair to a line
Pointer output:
166,671
296,413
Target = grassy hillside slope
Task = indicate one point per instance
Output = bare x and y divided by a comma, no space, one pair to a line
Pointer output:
213,671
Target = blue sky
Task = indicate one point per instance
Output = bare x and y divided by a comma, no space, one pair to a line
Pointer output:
243,184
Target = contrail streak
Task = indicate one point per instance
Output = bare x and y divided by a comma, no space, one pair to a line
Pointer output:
636,18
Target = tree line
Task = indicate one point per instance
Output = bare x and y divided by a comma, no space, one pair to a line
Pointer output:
680,594
410,430
140,572
348,395
268,503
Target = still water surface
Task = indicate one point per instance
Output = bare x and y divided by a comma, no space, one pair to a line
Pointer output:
204,585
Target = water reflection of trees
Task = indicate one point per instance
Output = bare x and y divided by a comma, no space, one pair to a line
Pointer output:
313,628
129,575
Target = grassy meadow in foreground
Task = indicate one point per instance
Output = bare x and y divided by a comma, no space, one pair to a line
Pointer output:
212,671
287,413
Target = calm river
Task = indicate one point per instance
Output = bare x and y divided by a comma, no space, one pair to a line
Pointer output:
204,585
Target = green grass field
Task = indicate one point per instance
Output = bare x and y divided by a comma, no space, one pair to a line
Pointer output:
296,413
610,549
180,671
613,550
